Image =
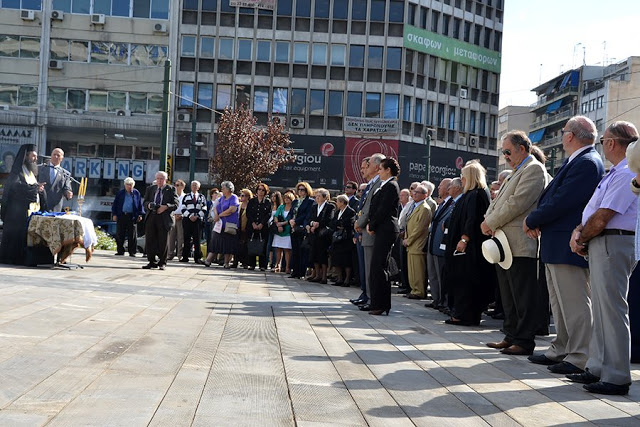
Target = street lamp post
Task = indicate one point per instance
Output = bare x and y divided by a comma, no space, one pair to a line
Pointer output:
192,148
429,135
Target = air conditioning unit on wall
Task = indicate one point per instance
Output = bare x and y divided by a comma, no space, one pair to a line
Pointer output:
55,64
463,93
473,141
123,113
57,15
462,140
297,123
98,19
184,117
182,152
160,28
28,15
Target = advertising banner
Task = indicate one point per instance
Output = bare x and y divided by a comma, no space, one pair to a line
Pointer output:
10,134
318,160
260,4
371,126
359,148
454,50
413,163
447,163
8,156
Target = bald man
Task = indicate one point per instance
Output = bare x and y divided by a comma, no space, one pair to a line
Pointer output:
57,181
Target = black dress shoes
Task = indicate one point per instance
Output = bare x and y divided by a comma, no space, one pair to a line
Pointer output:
565,368
403,291
602,387
365,307
150,266
541,359
161,266
583,378
184,260
499,345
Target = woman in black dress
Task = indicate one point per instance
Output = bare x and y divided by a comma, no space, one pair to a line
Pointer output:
471,279
383,225
318,231
258,214
342,242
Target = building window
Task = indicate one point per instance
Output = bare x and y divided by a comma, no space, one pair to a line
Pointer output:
117,101
372,108
406,109
284,7
59,49
207,47
300,53
303,8
316,102
452,117
483,124
223,96
26,4
264,51
440,115
205,94
354,104
282,51
591,104
298,101
378,10
280,99
335,103
411,15
27,96
186,95
356,56
359,10
119,53
472,122
245,50
243,96
338,54
340,9
225,49
446,19
435,18
391,106
322,9
188,46
319,54
375,57
600,101
261,99
394,58
396,11
418,115
463,118
76,99
584,107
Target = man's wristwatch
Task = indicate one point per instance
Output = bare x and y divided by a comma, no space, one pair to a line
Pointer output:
463,240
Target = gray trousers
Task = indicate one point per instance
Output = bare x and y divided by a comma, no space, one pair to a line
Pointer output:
175,242
434,270
368,254
611,262
570,298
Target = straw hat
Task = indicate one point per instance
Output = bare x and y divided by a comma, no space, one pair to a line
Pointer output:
496,250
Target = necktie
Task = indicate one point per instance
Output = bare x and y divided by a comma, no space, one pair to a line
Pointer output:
54,173
158,200
364,196
411,209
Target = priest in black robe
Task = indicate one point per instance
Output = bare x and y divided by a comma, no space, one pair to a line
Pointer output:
22,195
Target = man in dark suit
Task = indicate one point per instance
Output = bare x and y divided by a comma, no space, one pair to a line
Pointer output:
433,248
160,201
350,190
559,209
57,181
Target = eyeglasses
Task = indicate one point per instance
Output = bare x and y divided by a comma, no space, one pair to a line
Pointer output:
261,189
603,139
506,152
243,195
302,189
562,131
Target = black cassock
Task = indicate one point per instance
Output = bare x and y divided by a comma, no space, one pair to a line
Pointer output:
16,197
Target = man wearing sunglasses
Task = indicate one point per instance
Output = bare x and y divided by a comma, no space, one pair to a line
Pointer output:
558,211
519,284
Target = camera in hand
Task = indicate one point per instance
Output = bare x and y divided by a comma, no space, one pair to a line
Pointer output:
152,206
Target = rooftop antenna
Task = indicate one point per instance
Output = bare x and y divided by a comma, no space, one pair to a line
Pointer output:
584,56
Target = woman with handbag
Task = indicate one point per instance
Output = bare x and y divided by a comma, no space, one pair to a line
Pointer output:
276,202
383,225
258,214
282,238
299,255
245,196
225,230
342,240
320,234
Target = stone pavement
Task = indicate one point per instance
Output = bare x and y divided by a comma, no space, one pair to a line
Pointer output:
115,345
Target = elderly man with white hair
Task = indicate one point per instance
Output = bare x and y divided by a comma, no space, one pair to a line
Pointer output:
194,212
430,186
127,211
159,201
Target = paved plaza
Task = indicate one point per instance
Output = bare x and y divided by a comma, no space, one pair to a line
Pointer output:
115,345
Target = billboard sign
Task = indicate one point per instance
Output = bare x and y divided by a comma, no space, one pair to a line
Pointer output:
359,148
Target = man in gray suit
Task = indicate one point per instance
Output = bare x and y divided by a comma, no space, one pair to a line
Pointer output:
519,284
57,181
363,217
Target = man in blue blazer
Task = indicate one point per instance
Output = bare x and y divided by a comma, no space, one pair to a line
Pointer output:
559,209
127,212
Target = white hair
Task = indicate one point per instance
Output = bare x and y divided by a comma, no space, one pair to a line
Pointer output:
430,186
163,174
228,185
129,180
195,182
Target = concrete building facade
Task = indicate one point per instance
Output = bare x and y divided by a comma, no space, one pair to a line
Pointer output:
510,118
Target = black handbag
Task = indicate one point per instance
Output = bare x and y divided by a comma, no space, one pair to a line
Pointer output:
339,236
305,245
392,272
324,233
255,246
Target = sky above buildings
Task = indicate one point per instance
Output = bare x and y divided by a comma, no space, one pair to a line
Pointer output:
544,38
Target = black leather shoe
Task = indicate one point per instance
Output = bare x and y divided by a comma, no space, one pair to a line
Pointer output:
403,291
365,307
541,359
516,350
583,378
498,316
199,261
602,387
119,253
565,368
150,266
184,260
161,267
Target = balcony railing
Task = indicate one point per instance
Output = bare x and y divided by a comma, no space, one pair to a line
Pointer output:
548,99
565,113
550,142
